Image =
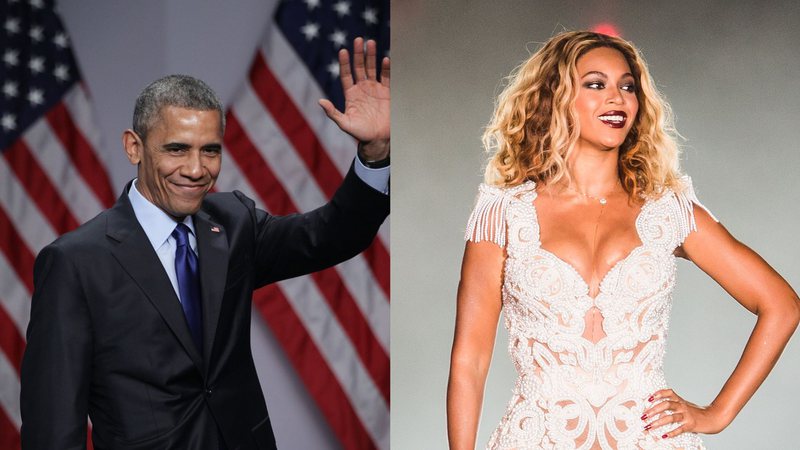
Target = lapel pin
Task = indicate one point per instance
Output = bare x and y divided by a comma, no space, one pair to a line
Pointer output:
215,229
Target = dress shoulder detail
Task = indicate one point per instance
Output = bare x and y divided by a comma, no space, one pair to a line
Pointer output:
685,200
488,219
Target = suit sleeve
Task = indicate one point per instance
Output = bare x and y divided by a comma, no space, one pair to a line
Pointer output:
56,365
294,245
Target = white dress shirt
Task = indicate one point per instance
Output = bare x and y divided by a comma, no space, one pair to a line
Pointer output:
158,227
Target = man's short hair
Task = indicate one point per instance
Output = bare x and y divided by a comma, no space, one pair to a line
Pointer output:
182,91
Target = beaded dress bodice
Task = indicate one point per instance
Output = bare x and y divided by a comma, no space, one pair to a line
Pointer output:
580,390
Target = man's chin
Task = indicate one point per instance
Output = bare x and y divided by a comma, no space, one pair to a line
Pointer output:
179,213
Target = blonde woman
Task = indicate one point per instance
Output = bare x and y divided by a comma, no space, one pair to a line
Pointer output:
575,235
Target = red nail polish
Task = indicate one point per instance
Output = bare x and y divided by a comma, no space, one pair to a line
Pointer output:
644,416
650,399
664,436
647,427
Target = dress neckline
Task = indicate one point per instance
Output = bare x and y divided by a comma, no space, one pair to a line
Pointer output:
617,264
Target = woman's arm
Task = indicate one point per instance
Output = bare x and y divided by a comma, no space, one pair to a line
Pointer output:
754,284
478,311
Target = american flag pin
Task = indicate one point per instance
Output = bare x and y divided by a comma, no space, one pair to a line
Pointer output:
215,229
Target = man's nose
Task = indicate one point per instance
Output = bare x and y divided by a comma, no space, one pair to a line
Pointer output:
193,165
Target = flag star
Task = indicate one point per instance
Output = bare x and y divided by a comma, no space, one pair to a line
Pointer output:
333,69
36,97
36,33
10,89
8,122
11,57
339,38
60,40
36,3
370,15
61,72
37,64
310,30
12,25
342,8
311,4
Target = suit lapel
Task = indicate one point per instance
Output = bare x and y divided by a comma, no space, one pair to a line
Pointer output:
212,244
137,257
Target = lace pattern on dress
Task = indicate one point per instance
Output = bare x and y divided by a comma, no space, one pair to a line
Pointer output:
576,389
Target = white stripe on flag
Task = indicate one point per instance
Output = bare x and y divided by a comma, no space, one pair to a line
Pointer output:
231,179
29,221
14,296
337,350
80,108
9,391
275,148
48,150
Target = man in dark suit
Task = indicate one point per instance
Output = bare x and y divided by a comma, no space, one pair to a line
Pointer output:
141,317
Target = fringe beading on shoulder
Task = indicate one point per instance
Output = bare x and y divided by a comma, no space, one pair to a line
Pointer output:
488,220
686,200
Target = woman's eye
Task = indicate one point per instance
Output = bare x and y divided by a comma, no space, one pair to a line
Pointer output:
629,87
594,85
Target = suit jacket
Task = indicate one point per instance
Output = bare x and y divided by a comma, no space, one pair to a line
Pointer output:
108,336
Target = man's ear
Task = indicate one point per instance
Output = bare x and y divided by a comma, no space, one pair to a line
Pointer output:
133,145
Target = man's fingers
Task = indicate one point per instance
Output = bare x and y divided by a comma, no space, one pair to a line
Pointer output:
385,72
371,60
331,111
358,59
345,73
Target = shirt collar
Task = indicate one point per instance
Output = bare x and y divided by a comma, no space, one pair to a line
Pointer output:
157,225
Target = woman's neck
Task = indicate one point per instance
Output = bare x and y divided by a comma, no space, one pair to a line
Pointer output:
593,173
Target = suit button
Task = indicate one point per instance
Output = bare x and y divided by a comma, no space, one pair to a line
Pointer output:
208,392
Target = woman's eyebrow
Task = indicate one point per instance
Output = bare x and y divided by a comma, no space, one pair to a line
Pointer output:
595,72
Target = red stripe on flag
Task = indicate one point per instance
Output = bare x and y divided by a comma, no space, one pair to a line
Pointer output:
11,341
81,153
17,253
312,368
39,187
9,434
378,259
293,124
277,200
304,141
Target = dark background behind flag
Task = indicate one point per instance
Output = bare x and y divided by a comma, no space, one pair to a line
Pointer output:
323,360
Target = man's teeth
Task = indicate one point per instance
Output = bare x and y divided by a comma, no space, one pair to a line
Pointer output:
612,118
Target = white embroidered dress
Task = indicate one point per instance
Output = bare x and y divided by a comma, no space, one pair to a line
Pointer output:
571,392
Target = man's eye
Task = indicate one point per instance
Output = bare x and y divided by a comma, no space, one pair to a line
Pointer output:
212,151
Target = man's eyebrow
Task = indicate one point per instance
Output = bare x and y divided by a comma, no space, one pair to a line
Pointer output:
175,146
212,147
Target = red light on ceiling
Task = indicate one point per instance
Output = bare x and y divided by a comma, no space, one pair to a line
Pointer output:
606,28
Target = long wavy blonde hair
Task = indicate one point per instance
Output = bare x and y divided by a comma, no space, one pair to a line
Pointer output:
534,128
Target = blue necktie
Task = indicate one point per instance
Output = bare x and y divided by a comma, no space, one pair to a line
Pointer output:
186,269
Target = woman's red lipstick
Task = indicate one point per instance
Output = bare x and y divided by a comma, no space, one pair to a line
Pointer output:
614,119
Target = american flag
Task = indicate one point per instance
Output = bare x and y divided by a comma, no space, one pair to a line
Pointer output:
51,179
283,151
